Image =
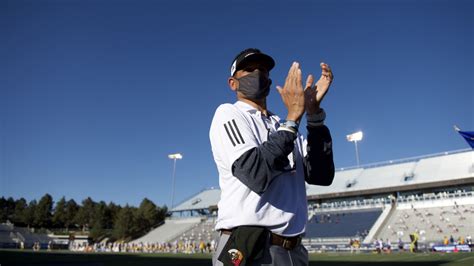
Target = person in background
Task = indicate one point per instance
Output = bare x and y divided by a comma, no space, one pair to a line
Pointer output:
400,244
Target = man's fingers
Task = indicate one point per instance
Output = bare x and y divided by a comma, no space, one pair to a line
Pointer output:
294,71
298,78
289,76
309,82
326,70
279,89
292,75
324,65
294,78
293,68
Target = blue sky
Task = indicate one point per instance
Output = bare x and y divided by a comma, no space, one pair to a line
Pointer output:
95,94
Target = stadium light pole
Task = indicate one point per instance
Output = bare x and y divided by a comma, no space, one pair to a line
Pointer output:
355,137
174,157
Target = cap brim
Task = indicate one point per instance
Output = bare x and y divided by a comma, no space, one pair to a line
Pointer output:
264,59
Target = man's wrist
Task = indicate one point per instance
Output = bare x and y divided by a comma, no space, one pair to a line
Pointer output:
316,119
291,117
289,125
313,110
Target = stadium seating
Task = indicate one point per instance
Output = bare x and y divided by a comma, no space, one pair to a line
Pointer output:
11,236
29,238
171,229
432,216
342,224
203,231
5,236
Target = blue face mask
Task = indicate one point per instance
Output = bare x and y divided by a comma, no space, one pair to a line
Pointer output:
254,86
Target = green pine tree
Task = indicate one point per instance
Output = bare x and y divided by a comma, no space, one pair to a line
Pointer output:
99,221
19,216
59,215
124,224
147,216
30,214
85,214
43,211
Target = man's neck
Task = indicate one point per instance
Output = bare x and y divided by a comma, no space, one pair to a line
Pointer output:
260,105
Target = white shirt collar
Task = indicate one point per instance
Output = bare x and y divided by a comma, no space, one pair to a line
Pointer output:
249,108
246,107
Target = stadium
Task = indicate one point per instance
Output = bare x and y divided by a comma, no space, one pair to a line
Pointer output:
423,205
430,196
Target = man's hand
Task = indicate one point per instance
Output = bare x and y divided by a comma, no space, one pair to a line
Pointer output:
292,93
315,94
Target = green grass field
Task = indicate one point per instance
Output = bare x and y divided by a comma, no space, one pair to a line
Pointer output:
15,257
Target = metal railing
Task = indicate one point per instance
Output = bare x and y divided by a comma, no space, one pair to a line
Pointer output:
404,160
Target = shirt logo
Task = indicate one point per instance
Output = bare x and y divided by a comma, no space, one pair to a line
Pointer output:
235,256
232,69
233,133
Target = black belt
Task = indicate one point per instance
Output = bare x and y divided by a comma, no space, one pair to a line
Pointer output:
288,243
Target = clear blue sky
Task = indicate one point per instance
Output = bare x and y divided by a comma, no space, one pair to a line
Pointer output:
96,94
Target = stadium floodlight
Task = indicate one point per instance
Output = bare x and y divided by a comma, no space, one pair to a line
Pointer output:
174,157
355,137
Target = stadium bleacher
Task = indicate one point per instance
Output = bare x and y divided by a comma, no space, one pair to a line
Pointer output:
342,224
5,236
203,231
169,230
11,236
432,216
30,237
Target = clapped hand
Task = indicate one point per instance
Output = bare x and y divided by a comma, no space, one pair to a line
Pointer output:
314,94
292,93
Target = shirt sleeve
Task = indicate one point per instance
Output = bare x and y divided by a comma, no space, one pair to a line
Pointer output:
257,167
230,135
319,164
234,144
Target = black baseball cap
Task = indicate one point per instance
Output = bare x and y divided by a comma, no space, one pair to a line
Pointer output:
251,55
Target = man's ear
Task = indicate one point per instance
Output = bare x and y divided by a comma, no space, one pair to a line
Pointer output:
233,83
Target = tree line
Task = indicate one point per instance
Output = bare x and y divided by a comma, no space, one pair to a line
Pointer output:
98,219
